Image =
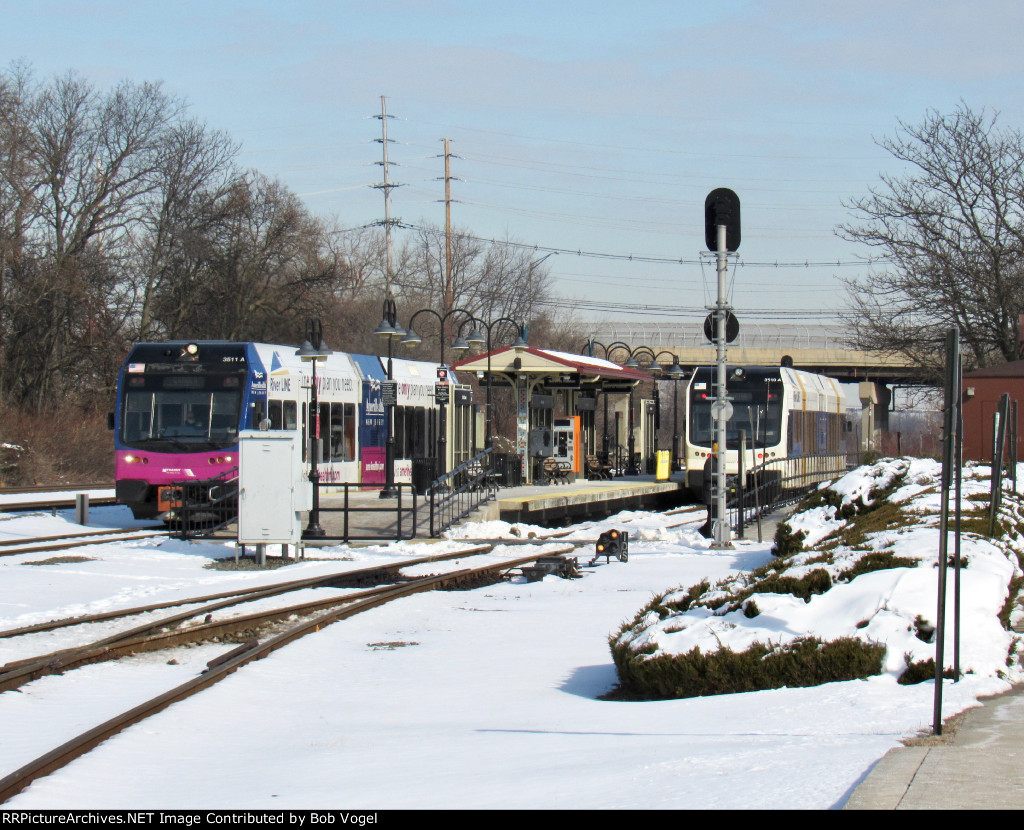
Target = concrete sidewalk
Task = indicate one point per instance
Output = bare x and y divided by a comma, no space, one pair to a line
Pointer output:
979,766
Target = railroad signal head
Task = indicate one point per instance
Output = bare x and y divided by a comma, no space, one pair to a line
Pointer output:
612,543
722,207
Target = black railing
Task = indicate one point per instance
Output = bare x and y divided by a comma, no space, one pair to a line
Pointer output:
458,493
405,511
782,481
205,506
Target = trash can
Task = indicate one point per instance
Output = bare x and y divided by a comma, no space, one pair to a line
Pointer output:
664,465
424,471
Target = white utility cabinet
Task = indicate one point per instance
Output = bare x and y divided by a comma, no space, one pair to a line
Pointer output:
273,487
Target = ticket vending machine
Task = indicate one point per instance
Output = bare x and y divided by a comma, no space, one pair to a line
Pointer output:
567,444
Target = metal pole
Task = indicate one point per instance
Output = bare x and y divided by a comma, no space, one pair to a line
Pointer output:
313,528
442,437
675,424
631,441
488,443
721,527
958,465
391,315
952,357
741,489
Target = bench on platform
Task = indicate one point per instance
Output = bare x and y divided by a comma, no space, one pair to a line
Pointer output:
556,471
597,470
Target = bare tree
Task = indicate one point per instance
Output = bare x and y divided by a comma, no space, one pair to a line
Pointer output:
81,162
253,267
489,280
950,233
196,165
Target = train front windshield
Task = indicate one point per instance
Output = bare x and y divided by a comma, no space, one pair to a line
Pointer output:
756,399
173,413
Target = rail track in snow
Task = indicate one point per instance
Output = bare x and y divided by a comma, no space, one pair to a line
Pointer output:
280,626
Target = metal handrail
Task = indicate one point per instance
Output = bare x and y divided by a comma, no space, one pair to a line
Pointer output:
458,493
782,481
348,508
202,499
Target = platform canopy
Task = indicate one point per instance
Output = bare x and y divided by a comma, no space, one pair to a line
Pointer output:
551,369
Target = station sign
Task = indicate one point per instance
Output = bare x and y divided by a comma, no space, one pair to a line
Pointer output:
441,393
389,392
569,380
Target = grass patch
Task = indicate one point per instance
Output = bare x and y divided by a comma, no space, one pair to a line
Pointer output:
61,560
876,561
1016,586
880,517
787,543
921,672
803,662
249,563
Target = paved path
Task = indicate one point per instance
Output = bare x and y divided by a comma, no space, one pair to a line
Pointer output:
980,766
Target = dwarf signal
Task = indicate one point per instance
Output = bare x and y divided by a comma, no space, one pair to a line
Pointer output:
612,543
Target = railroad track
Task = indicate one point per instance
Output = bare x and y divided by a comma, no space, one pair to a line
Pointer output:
318,614
65,541
58,500
167,631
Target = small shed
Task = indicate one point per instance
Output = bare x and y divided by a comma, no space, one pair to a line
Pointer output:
981,392
554,391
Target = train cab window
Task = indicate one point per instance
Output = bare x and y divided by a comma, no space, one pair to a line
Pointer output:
259,412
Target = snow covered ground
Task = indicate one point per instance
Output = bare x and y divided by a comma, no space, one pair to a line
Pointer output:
482,699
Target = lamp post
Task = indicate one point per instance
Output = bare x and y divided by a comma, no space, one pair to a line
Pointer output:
313,351
389,329
605,438
518,346
675,373
412,338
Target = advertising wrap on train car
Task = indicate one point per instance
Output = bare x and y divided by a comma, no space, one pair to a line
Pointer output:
372,432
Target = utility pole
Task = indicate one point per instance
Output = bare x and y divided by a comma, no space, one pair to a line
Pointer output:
447,226
389,323
386,186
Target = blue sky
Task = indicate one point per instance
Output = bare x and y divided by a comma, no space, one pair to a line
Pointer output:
596,127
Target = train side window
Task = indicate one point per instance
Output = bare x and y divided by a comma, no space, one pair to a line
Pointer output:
337,432
276,415
291,415
350,430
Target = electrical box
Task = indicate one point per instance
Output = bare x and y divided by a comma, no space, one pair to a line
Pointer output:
273,487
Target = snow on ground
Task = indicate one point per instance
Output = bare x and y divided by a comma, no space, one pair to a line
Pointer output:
482,699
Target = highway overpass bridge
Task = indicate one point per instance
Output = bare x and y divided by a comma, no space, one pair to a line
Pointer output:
819,349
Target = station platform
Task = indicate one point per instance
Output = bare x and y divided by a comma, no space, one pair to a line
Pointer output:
552,505
580,500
